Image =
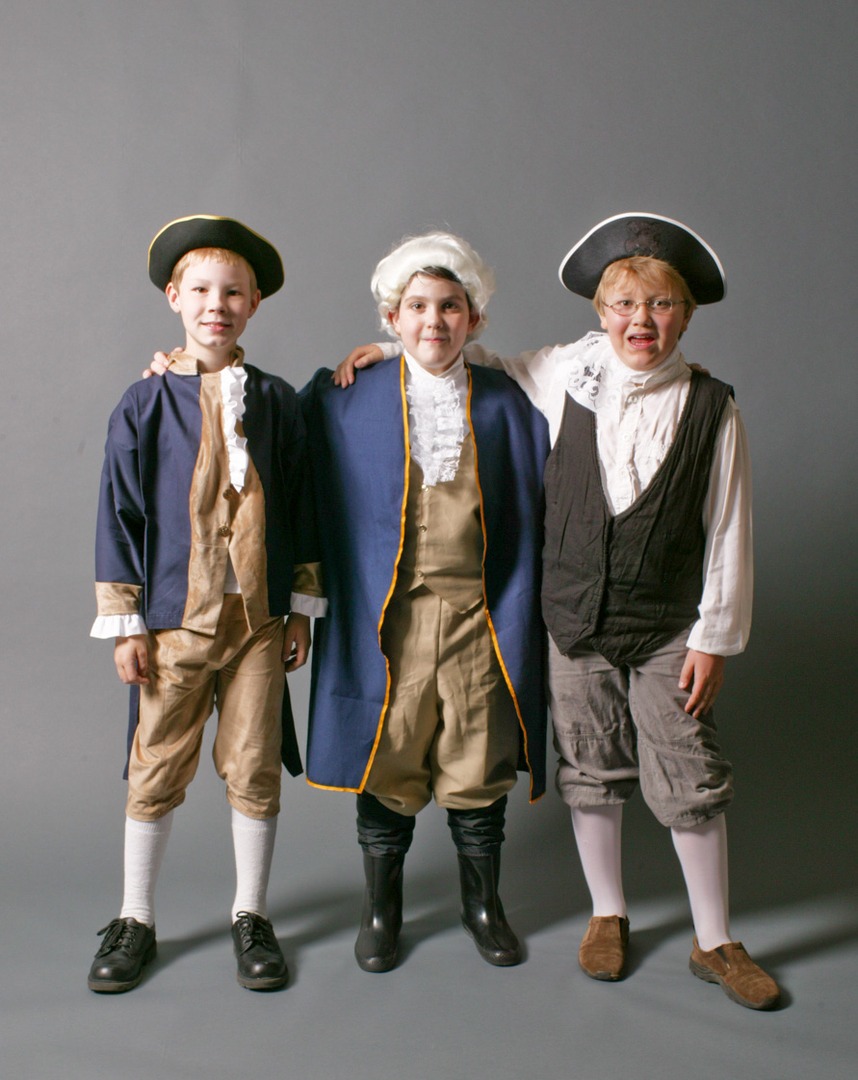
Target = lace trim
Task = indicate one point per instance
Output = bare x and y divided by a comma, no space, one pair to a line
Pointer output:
108,626
439,428
232,381
587,373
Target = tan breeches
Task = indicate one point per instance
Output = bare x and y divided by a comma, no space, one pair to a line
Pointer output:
240,672
451,729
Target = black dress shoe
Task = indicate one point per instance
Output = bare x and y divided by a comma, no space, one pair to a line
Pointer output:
127,948
260,962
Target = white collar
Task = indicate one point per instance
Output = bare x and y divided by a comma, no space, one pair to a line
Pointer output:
422,377
669,369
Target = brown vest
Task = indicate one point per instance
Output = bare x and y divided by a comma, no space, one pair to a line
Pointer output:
443,546
225,524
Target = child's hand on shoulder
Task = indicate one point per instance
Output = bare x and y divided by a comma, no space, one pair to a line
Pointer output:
160,362
131,656
362,356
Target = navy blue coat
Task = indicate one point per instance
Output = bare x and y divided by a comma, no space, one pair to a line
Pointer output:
357,440
143,534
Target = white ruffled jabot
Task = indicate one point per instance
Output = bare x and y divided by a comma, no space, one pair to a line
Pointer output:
436,407
232,380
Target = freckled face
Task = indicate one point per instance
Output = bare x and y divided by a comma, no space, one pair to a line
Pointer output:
643,340
215,303
433,321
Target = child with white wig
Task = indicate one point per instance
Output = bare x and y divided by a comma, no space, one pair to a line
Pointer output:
428,679
443,252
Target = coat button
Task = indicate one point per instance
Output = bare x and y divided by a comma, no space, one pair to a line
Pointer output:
223,530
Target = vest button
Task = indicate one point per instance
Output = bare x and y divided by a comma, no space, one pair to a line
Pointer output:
227,493
223,530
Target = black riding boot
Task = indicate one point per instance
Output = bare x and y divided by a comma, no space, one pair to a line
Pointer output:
478,835
482,911
378,937
384,837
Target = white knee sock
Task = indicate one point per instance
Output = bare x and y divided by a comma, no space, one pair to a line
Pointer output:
598,834
702,852
145,842
254,849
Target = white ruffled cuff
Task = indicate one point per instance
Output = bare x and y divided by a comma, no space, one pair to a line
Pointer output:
111,626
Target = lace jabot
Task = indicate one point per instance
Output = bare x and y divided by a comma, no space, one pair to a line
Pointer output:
232,380
437,418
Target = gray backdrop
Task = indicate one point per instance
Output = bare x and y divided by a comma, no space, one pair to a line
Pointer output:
334,128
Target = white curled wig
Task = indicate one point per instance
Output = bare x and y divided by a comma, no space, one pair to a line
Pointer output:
436,250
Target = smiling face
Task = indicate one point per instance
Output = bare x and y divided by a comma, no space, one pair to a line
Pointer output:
644,339
215,299
433,321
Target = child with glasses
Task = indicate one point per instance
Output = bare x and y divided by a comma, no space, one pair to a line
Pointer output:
647,576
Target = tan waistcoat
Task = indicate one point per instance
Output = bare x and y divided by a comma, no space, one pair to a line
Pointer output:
443,545
225,524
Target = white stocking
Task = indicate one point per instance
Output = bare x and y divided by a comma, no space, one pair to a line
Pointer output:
702,852
598,834
254,849
145,842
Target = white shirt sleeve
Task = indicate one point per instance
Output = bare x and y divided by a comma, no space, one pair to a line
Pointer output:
389,349
728,562
535,372
540,373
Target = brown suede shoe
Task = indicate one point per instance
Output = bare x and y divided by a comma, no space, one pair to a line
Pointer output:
602,954
741,979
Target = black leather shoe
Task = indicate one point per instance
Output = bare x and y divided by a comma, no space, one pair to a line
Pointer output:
482,911
260,962
381,921
127,948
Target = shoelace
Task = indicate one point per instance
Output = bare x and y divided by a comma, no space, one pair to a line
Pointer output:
118,934
254,930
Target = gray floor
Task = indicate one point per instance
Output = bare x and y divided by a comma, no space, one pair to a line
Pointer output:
443,1013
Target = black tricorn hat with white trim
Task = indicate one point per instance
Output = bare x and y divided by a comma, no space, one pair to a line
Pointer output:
625,235
208,231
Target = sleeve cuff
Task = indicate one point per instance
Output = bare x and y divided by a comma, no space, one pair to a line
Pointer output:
314,606
112,626
389,349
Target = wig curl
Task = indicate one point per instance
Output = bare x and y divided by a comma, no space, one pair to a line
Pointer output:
431,252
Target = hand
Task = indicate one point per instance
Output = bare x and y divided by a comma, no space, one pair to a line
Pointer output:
131,656
296,641
160,363
703,676
362,356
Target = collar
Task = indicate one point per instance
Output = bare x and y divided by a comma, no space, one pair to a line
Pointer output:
620,375
184,363
420,377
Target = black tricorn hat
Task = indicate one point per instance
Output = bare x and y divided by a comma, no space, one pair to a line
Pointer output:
625,235
206,231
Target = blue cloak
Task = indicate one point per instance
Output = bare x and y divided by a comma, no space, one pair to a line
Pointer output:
358,454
